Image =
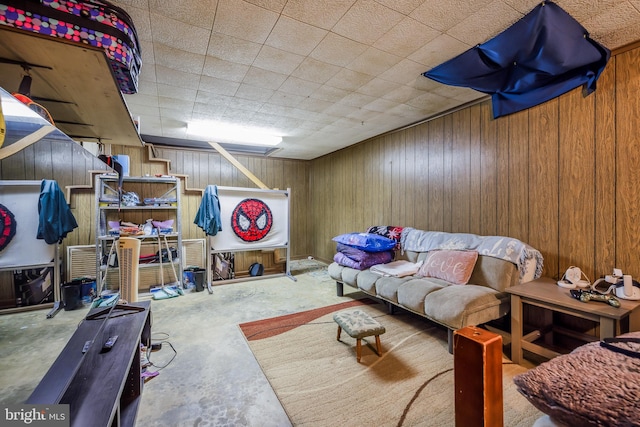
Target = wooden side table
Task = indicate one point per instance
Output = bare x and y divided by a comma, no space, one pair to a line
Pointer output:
545,293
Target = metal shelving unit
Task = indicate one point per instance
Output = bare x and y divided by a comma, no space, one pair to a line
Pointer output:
160,201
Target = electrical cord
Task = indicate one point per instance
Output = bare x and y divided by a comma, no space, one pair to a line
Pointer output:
162,341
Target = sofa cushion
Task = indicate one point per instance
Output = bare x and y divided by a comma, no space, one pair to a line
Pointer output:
455,266
495,273
387,287
412,293
367,281
335,271
460,306
350,276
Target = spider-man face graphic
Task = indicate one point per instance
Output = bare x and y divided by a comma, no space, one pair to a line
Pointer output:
251,220
7,227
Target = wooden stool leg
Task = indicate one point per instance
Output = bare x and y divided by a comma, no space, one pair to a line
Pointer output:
358,349
339,330
379,350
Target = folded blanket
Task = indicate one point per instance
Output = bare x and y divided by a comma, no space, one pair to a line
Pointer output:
399,268
373,258
506,248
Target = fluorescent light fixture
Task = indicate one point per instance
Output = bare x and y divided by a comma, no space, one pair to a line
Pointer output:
234,134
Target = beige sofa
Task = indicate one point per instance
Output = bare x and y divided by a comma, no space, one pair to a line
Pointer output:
482,300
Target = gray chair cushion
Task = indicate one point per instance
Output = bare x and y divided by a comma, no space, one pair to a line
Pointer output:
412,293
458,306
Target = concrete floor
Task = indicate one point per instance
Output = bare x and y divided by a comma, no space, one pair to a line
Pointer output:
212,379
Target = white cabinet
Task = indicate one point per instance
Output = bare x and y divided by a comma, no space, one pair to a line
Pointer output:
158,200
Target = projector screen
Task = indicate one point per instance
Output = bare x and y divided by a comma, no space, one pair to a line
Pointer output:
21,199
252,219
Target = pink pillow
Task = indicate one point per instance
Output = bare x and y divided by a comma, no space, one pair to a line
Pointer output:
453,266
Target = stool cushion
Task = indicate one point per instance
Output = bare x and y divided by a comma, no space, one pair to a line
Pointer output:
358,324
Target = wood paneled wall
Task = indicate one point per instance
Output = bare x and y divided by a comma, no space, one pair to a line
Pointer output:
561,176
202,168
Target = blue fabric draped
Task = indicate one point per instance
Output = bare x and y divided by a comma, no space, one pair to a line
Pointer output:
543,55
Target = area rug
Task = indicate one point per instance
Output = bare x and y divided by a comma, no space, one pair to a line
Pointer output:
319,382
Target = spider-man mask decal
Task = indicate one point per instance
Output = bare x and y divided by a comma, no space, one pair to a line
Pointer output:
251,220
7,227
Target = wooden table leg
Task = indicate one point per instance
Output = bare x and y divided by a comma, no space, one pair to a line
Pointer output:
607,327
378,346
339,330
358,349
516,329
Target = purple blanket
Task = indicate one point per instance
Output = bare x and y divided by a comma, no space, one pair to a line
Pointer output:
364,260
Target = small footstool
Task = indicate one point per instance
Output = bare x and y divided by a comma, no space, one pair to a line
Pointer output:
358,325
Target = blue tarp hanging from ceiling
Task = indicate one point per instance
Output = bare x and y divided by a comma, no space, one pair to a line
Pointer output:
543,55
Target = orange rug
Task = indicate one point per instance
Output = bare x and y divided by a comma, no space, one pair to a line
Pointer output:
266,328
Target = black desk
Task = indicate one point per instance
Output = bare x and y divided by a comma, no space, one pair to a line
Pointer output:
101,388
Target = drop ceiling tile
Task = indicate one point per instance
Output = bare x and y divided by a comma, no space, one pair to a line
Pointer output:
237,116
207,111
295,36
439,50
182,116
380,105
220,86
177,59
403,6
373,62
377,87
485,23
182,36
400,95
264,78
442,15
314,104
245,104
366,20
583,10
213,99
177,78
349,80
247,91
298,86
623,15
146,87
275,110
363,116
233,49
227,70
266,118
324,14
147,54
194,12
175,104
406,37
315,71
329,93
339,110
286,99
141,100
525,6
403,72
274,5
337,50
276,60
244,20
357,100
177,92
